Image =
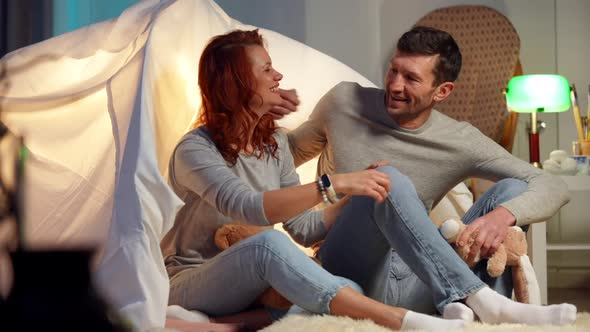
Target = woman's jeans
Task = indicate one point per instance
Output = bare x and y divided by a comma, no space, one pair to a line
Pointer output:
232,280
397,255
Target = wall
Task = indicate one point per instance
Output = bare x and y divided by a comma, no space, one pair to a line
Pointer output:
24,22
571,225
70,15
573,54
362,34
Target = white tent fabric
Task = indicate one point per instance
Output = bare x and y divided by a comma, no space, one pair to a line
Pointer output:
102,108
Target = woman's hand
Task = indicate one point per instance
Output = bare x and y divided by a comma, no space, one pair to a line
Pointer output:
369,182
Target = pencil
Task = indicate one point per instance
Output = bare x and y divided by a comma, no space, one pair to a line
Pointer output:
588,116
577,116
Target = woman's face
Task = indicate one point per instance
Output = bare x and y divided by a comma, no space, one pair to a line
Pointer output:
267,80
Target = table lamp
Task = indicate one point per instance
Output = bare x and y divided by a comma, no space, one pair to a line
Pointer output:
535,94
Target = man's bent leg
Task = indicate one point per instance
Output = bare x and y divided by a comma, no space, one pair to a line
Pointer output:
503,191
356,249
361,239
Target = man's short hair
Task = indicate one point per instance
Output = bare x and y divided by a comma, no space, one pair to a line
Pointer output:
430,41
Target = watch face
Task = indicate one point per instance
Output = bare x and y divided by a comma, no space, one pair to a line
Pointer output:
326,181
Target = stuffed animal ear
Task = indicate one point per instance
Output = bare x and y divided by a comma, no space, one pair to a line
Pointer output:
222,237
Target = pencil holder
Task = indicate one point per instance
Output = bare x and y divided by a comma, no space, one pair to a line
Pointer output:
585,148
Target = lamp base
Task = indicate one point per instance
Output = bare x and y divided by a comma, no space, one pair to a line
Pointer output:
534,157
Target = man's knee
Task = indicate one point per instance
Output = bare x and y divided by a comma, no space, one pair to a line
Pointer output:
397,179
510,188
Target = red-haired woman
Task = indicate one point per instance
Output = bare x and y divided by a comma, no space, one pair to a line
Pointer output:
236,167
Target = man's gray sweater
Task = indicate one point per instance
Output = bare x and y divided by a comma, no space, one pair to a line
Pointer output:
351,128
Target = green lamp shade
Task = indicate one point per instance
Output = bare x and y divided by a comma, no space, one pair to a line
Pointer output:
538,93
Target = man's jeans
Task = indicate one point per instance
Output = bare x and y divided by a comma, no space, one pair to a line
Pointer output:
396,254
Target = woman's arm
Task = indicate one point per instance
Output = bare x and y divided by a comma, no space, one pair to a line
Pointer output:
308,227
332,212
283,204
200,170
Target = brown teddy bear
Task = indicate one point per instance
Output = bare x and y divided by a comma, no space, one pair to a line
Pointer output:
229,234
513,252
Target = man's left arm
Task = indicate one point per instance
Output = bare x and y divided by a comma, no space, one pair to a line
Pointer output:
544,195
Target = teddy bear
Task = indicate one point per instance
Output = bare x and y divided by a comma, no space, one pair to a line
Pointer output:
513,252
229,234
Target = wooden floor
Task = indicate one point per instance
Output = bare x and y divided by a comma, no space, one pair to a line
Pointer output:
577,296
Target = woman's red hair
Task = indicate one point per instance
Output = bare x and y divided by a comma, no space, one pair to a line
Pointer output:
227,88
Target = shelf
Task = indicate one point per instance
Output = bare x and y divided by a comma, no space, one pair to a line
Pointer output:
577,183
568,246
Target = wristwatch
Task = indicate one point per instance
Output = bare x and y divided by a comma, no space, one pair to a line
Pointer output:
329,188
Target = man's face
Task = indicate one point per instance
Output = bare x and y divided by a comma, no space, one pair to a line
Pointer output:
410,94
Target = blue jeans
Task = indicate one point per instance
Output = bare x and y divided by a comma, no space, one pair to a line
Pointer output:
396,254
232,280
502,191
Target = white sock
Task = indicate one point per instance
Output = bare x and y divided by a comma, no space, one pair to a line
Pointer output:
416,321
458,310
494,308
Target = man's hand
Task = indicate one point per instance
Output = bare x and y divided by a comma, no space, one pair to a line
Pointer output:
488,232
289,104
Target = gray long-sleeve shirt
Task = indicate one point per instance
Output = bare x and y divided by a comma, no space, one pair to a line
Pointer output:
216,194
351,128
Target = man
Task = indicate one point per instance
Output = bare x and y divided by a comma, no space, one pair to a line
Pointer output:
352,126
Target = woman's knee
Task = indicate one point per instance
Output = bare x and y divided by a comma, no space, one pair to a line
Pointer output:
272,238
269,245
272,242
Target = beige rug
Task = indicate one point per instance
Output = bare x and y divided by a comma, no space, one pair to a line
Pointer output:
296,323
